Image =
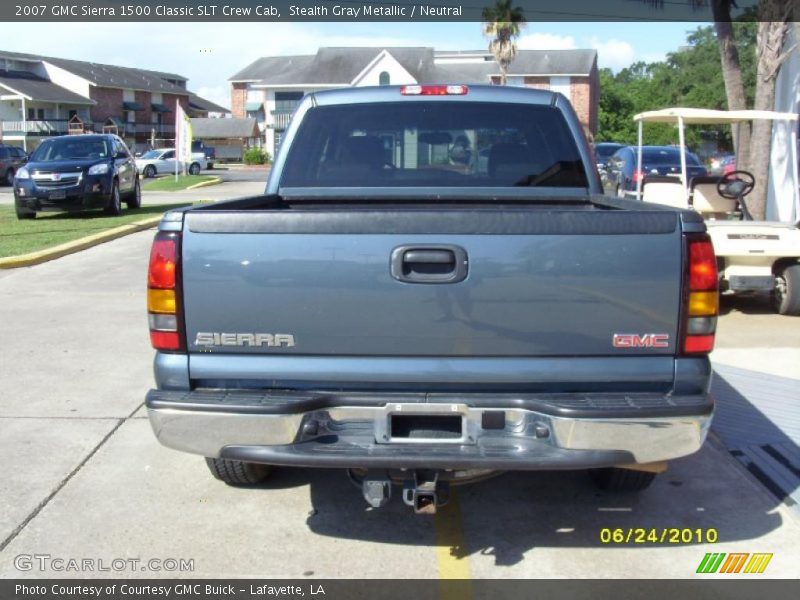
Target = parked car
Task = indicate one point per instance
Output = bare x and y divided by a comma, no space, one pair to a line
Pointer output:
209,152
163,161
420,326
77,172
602,152
11,159
622,177
723,164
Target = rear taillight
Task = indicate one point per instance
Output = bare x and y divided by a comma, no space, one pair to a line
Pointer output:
433,90
637,175
163,284
701,304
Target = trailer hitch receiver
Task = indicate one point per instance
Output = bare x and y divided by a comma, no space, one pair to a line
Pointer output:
425,493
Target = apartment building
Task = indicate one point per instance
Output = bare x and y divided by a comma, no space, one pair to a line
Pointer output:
270,88
42,96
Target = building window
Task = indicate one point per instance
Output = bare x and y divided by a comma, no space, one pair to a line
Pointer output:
384,78
287,101
131,116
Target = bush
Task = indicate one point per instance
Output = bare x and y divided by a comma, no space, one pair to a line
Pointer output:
256,156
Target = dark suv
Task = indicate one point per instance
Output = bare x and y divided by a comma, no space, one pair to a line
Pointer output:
76,172
11,159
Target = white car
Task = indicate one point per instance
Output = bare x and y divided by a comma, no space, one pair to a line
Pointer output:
162,161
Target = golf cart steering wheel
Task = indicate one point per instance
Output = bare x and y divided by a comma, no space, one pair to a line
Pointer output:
736,185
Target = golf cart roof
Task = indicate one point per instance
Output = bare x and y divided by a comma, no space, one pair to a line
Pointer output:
709,116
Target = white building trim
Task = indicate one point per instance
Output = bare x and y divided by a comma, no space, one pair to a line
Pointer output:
67,79
384,61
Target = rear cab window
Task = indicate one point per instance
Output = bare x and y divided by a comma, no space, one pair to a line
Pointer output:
434,144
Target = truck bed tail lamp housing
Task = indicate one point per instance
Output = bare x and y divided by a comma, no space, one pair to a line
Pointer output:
701,301
434,90
163,298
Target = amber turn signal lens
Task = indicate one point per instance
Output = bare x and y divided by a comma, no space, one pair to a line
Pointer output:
161,301
703,304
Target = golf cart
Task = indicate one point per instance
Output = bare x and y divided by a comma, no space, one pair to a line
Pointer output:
752,256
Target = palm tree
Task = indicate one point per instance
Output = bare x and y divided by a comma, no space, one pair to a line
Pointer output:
731,67
502,23
773,26
731,73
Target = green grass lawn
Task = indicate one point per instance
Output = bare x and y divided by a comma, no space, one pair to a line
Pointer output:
52,229
167,183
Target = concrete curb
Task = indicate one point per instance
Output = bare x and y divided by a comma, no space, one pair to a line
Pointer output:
214,181
40,256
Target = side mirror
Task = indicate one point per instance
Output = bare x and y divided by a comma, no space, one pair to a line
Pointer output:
121,154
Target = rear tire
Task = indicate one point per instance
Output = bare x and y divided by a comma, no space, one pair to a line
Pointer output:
194,169
236,472
614,479
149,172
114,205
136,197
786,295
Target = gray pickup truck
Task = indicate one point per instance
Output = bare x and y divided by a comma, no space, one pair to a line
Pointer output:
432,290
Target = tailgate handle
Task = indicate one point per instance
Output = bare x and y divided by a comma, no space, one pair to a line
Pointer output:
430,257
429,264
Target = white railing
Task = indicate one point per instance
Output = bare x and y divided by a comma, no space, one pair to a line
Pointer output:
50,127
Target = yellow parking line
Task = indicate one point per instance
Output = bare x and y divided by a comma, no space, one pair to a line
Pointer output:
451,552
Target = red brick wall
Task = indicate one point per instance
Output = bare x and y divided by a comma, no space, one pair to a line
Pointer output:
238,99
585,98
109,104
145,100
580,96
169,100
539,83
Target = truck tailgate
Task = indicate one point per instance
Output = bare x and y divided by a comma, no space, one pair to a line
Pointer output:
346,284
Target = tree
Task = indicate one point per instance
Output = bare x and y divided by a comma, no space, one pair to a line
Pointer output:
773,17
502,23
690,76
731,70
753,144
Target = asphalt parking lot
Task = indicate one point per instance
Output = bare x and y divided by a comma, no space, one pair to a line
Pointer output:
84,477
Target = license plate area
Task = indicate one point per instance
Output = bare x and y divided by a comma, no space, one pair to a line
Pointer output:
57,195
439,427
423,424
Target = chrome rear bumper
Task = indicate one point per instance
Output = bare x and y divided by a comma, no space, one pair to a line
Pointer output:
314,431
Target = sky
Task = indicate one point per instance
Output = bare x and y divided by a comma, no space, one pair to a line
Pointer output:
208,54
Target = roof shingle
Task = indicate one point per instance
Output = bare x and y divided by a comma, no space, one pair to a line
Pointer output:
43,91
339,66
224,128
